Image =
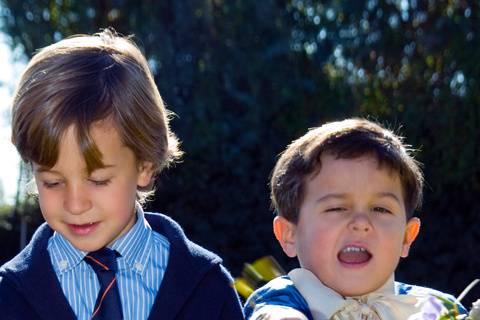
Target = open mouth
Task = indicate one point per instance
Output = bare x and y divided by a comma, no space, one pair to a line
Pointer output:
83,229
354,255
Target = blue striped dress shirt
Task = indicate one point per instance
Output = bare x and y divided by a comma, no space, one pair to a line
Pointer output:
140,270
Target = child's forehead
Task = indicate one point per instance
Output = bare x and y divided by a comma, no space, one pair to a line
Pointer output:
104,128
336,168
98,130
93,147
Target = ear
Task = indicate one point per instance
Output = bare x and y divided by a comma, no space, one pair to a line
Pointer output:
145,173
284,231
411,233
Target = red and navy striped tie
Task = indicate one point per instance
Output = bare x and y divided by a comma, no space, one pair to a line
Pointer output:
108,304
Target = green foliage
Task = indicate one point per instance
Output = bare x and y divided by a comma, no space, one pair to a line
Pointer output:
5,213
451,311
10,216
246,77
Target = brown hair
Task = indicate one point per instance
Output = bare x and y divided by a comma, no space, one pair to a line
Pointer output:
82,80
347,139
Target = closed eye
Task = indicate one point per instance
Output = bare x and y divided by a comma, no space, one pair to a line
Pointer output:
50,185
100,182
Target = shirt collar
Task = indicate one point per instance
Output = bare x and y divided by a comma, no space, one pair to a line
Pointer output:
64,255
325,303
134,248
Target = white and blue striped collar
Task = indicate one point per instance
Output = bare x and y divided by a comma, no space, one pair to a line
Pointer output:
135,247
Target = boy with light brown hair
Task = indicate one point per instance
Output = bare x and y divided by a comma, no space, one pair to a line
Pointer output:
345,194
88,117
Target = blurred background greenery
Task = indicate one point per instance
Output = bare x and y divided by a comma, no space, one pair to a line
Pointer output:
245,77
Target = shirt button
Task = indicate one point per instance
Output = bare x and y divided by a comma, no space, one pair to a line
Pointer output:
138,266
63,264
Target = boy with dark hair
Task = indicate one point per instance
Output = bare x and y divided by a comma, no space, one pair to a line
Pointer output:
345,194
89,119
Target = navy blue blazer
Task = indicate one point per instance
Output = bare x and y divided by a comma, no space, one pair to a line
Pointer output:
195,285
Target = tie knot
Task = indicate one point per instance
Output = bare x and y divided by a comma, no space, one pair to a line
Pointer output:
104,259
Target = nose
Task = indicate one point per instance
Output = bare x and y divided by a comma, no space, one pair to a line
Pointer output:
360,223
76,199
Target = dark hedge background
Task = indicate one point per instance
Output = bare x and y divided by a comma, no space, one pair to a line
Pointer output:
246,77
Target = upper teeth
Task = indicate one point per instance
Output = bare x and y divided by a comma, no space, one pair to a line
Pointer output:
353,249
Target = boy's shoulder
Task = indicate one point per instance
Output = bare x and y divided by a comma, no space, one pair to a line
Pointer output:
416,290
425,292
179,243
194,277
419,291
34,251
180,247
26,278
280,291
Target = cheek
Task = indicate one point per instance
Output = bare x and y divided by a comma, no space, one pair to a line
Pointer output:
315,240
319,229
45,197
49,203
116,197
393,237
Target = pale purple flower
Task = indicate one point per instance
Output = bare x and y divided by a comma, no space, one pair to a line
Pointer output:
431,310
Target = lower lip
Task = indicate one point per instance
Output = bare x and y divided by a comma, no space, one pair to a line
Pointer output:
354,265
83,229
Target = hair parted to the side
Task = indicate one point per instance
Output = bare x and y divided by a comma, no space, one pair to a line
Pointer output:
85,79
347,139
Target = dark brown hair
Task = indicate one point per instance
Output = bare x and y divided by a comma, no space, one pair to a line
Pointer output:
82,80
347,139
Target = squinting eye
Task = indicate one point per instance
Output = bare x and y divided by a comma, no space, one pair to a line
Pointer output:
100,182
381,210
335,209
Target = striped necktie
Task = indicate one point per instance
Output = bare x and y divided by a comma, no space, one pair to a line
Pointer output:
108,304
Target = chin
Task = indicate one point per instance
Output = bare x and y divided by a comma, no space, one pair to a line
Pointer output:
355,291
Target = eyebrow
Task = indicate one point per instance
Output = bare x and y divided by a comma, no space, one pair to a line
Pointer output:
331,196
342,196
390,195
